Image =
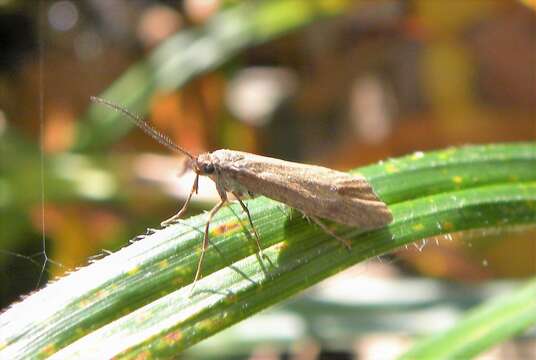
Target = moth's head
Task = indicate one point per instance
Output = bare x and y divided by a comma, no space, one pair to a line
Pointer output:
204,165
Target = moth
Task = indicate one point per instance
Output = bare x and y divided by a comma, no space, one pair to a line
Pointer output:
316,191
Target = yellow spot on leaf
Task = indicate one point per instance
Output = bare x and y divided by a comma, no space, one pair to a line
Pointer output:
173,337
283,245
418,227
205,325
101,294
447,225
164,264
231,298
390,168
49,349
446,154
133,271
457,179
226,228
178,281
3,345
144,355
84,303
126,311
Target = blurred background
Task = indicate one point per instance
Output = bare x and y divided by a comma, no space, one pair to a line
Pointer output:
336,83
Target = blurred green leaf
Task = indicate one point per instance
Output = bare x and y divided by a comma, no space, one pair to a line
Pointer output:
192,52
485,326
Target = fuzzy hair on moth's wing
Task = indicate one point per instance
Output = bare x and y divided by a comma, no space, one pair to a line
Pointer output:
314,190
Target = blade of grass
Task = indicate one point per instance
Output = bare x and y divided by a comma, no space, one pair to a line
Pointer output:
174,322
473,187
485,326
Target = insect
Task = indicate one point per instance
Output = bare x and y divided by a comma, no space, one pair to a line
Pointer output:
316,191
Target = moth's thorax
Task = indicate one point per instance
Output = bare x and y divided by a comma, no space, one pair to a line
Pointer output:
224,163
226,157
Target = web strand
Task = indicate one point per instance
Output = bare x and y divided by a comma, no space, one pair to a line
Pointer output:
41,29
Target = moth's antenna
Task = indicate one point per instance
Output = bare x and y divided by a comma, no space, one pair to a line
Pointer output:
148,129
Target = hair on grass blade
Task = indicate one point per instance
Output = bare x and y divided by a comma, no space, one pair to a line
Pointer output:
316,191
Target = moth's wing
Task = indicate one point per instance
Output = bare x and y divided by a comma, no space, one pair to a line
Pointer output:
314,190
359,205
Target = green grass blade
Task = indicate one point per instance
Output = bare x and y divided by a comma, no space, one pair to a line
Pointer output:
485,326
144,286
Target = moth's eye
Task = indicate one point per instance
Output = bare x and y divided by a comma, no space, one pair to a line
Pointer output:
208,168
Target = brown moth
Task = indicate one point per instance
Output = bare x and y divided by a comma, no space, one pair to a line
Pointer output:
316,191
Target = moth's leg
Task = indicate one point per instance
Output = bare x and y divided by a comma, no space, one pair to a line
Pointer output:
212,212
246,210
177,216
319,222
